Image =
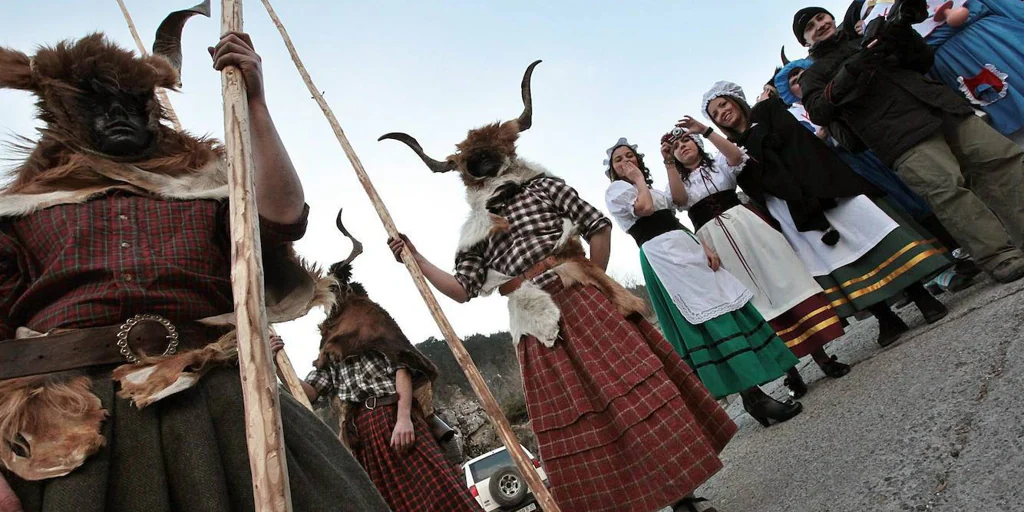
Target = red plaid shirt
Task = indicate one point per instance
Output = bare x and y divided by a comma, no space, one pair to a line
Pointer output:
103,261
535,218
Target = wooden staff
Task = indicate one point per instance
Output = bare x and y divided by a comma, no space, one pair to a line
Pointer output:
160,93
286,372
476,380
259,385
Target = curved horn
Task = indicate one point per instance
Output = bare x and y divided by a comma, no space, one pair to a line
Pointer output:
357,247
167,42
785,60
434,165
526,118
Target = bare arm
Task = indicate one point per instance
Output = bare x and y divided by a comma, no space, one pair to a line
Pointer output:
680,197
279,195
601,247
442,281
404,435
644,204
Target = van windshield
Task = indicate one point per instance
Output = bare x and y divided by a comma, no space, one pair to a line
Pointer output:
484,468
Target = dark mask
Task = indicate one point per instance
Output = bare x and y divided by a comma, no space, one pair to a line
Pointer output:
118,120
485,164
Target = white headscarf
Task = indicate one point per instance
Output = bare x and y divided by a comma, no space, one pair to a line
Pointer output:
718,90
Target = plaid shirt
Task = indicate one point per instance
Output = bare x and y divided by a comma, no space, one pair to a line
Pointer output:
356,378
108,259
535,225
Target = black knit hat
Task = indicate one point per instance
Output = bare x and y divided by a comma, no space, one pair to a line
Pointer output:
802,18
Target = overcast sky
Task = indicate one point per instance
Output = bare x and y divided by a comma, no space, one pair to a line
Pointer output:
436,69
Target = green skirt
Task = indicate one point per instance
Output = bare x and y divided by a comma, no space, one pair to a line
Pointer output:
731,352
902,258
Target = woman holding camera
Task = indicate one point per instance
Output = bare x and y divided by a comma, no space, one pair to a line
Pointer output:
704,311
749,247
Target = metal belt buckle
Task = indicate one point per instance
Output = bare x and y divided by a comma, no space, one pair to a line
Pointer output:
122,335
366,403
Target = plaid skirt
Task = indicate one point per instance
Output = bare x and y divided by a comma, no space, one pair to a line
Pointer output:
188,452
622,423
415,481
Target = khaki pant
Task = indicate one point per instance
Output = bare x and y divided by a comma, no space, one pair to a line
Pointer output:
973,177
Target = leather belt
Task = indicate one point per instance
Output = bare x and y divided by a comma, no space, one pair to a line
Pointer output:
96,346
543,266
379,401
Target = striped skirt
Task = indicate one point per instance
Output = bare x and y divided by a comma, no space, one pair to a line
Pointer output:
731,352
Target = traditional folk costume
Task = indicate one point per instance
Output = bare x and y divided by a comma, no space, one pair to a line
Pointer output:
361,350
118,260
759,256
622,423
874,258
708,316
980,57
911,207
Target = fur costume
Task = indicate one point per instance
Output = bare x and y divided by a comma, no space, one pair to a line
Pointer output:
61,168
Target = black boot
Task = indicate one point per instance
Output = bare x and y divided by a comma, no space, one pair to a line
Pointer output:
795,383
890,325
763,408
930,307
831,367
693,504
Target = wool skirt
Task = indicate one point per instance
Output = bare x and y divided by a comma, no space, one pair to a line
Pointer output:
731,352
785,294
188,452
622,423
412,481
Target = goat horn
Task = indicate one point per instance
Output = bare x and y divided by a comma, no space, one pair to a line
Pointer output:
434,165
357,247
526,118
785,60
167,42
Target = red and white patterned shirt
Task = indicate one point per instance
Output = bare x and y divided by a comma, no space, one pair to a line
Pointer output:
535,218
105,260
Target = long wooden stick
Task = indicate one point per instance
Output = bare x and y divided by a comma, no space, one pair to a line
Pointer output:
263,431
160,93
476,380
286,372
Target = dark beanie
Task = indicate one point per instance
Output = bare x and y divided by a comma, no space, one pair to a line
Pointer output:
802,18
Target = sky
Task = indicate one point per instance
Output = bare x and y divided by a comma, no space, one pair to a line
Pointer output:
435,70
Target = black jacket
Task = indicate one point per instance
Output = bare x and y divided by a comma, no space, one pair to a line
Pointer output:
890,108
789,162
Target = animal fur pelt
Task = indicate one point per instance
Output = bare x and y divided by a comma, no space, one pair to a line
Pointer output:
62,158
481,223
356,324
49,424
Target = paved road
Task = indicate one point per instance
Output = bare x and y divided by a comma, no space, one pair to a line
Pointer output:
934,422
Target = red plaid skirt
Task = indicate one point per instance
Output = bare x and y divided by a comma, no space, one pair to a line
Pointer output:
622,422
415,481
808,326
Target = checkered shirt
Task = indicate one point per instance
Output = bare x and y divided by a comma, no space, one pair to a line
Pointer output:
356,378
535,225
101,262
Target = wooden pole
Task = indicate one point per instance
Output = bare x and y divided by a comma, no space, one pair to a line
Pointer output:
476,380
259,385
287,374
160,93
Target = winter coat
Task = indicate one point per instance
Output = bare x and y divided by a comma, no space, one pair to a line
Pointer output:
890,106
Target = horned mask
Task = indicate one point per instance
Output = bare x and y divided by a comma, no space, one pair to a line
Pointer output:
69,77
487,151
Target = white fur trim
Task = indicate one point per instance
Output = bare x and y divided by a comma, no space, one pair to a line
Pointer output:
478,225
532,311
209,182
